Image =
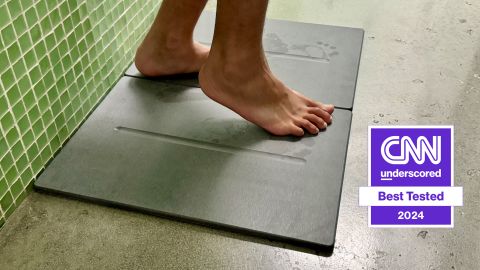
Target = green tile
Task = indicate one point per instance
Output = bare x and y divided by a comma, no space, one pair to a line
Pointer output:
24,85
59,33
40,50
37,128
70,76
34,114
64,11
6,162
50,41
4,16
55,16
67,62
13,95
53,95
23,124
63,47
25,43
39,89
47,117
28,138
11,175
3,61
7,121
89,38
3,105
58,69
51,4
42,141
26,177
51,131
83,47
29,100
63,133
37,164
26,4
78,69
44,65
22,196
71,125
60,121
12,136
46,154
15,9
54,56
17,151
16,188
13,52
68,25
6,201
35,33
46,25
76,17
19,68
41,8
55,143
32,152
18,110
31,17
35,74
8,78
3,147
75,53
68,110
22,162
3,186
43,103
30,59
19,25
48,78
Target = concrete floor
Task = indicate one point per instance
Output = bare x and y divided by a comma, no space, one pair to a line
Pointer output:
420,65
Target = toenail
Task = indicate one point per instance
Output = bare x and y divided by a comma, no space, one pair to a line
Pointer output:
324,125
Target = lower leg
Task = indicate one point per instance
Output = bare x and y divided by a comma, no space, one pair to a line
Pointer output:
237,75
168,47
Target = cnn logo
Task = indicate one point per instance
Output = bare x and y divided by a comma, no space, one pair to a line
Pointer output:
418,150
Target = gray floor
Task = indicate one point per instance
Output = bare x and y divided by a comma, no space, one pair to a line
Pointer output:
420,65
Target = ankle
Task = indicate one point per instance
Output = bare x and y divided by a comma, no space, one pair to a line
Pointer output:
236,67
174,41
167,42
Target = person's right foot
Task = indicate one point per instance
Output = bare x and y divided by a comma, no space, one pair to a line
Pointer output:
259,97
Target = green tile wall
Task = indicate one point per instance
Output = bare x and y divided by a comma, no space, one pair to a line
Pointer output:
58,58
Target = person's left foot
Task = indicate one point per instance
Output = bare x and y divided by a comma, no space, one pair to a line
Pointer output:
154,59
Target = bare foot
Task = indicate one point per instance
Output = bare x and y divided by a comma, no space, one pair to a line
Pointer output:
155,58
259,97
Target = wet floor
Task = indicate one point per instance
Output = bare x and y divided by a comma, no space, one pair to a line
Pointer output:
420,65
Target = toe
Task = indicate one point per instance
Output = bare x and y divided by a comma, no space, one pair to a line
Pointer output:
320,113
309,126
311,103
296,131
317,121
326,107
